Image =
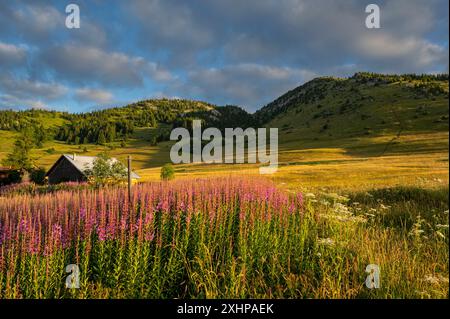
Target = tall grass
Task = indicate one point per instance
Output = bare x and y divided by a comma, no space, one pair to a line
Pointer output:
207,238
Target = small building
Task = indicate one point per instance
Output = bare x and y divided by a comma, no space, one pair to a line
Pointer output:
72,168
5,175
4,172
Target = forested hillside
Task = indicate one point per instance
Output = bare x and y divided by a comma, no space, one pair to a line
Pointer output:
365,111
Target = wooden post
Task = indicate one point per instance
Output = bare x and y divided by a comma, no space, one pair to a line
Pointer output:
129,179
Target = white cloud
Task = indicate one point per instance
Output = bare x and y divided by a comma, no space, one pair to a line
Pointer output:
11,54
94,95
26,88
34,20
402,53
17,92
246,84
9,101
86,64
234,51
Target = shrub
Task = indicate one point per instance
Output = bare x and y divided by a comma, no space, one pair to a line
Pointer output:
37,176
106,171
167,172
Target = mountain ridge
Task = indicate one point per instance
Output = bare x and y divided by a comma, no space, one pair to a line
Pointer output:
318,112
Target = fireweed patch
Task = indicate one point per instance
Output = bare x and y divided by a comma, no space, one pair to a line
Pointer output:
145,247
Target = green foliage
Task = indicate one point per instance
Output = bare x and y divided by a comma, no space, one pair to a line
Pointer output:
101,138
113,124
403,204
18,120
426,89
40,135
20,158
106,171
88,128
153,141
167,172
221,117
37,175
391,78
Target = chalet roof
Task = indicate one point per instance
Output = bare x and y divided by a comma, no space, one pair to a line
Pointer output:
83,163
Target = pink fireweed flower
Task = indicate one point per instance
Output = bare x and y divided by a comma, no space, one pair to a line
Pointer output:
292,208
22,227
101,233
110,230
300,200
123,223
162,206
41,224
33,246
90,225
57,232
82,213
149,236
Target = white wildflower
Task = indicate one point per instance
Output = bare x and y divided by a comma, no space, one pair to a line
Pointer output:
435,280
326,241
325,202
440,234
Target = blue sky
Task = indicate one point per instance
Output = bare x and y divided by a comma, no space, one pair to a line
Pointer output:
236,52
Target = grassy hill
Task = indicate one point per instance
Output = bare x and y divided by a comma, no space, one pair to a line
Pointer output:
368,129
357,111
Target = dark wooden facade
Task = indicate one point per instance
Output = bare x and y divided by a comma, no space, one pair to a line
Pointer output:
64,171
6,176
4,173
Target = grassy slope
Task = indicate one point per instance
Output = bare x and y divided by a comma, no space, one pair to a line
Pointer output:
375,136
362,147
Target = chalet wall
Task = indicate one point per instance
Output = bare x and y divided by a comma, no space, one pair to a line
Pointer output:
65,172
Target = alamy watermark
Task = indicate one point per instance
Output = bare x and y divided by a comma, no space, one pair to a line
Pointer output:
373,277
228,149
73,17
373,19
73,280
